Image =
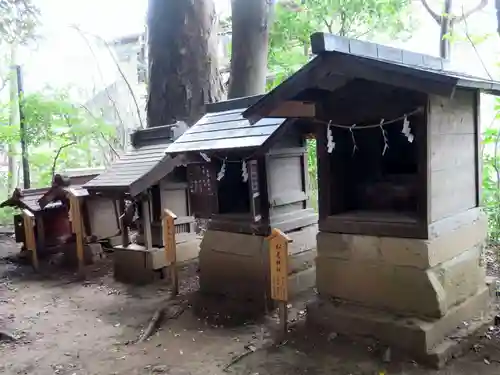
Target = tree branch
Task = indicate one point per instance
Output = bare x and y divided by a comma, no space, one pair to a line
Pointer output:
106,90
465,15
328,25
89,112
122,74
433,14
57,156
475,48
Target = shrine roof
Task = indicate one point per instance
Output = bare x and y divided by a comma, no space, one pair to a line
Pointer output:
141,167
339,60
225,129
28,198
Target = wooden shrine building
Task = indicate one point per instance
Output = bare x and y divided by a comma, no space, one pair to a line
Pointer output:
146,181
247,180
401,231
49,212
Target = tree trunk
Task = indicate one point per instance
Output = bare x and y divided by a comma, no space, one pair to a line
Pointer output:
183,71
249,46
497,7
12,178
444,34
447,21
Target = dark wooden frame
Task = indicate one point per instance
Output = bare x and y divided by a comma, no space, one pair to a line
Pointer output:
342,223
246,223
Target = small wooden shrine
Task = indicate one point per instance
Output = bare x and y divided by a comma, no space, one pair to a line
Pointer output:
247,179
145,181
49,213
400,228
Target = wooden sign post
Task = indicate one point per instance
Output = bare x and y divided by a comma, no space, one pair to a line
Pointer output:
170,247
77,228
278,260
29,236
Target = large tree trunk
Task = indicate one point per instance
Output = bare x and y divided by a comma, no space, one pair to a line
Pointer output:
497,7
183,71
445,31
12,178
249,45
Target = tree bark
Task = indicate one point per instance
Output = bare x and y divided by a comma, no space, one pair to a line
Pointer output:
446,29
183,67
249,46
12,178
497,8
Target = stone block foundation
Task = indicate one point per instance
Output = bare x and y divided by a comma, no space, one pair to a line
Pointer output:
91,253
409,293
237,265
134,264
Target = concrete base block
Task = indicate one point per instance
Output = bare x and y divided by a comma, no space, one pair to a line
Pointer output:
115,241
410,293
404,275
91,253
137,265
432,342
236,265
133,265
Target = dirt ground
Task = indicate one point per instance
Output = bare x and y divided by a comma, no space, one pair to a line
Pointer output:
69,327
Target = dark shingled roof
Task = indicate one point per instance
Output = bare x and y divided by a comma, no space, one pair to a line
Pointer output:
144,165
341,59
225,130
130,173
28,198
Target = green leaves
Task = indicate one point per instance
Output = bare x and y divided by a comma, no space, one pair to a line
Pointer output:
18,20
491,176
51,121
296,20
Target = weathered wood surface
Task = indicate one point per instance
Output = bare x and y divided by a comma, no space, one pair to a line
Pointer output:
29,236
452,163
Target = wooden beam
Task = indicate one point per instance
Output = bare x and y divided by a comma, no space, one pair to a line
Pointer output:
146,219
296,109
168,222
29,236
123,224
285,91
77,228
227,105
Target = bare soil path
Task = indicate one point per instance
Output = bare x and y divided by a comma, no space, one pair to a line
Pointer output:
69,327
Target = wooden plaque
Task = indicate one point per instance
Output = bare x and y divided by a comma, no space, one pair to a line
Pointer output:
278,254
169,236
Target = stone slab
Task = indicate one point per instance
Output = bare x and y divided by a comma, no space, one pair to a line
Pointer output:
237,265
187,250
133,266
452,239
115,241
383,285
425,340
91,253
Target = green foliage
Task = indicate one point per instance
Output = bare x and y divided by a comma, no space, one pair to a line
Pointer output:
491,179
312,164
296,20
18,20
54,124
